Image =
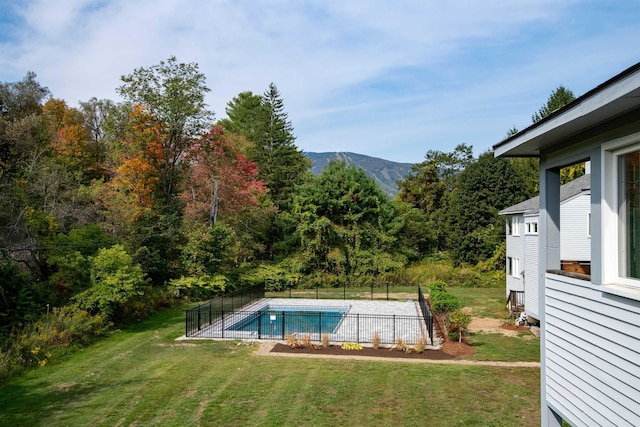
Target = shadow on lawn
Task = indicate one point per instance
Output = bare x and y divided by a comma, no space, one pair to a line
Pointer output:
22,406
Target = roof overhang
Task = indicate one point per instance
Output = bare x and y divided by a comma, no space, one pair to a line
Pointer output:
611,99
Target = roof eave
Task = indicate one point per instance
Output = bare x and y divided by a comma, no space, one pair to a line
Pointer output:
612,98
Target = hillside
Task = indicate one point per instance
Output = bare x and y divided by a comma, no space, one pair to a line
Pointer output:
384,172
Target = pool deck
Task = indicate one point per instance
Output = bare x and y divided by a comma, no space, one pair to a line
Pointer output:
404,321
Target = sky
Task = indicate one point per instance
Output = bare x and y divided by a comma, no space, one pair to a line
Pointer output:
386,79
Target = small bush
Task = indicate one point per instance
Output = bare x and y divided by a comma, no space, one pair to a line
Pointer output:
325,340
351,346
421,344
459,323
399,345
33,344
375,341
292,341
306,341
454,335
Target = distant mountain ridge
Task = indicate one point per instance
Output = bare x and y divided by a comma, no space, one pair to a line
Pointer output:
384,172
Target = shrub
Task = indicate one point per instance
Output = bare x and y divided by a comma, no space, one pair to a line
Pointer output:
351,346
199,288
421,344
442,301
33,344
325,340
459,323
115,281
375,341
399,345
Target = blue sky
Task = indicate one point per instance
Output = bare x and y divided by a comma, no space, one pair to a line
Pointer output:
386,79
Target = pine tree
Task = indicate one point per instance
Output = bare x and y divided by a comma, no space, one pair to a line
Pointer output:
281,164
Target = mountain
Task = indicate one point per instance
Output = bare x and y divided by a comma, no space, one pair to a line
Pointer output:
384,172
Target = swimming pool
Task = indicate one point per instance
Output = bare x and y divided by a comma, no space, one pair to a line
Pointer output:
280,320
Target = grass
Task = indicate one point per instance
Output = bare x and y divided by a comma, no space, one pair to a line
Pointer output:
141,376
491,302
486,302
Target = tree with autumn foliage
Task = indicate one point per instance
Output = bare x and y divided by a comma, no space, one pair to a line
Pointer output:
173,94
215,162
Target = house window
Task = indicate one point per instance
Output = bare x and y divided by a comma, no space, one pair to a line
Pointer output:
513,267
629,215
513,226
621,213
531,227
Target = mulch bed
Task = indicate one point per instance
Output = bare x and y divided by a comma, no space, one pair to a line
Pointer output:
371,352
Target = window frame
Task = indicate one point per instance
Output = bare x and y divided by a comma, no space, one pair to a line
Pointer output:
528,224
610,228
515,229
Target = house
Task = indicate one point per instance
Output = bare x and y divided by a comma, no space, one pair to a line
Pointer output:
590,323
522,243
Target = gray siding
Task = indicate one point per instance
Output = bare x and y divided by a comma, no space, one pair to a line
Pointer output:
515,249
531,276
592,354
575,244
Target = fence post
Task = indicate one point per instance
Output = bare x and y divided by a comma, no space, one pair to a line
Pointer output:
344,291
394,328
259,325
387,291
198,318
372,292
222,325
319,326
210,312
357,327
283,326
316,291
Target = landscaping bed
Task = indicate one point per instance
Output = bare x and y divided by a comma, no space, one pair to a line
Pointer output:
449,351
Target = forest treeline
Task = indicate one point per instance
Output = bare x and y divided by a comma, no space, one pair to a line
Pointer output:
113,209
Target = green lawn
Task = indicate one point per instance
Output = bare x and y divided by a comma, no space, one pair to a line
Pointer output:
142,376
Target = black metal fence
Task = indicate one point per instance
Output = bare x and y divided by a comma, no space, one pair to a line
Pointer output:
372,292
209,312
338,327
224,318
426,313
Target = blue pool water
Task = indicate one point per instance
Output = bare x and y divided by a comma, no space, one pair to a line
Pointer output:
307,320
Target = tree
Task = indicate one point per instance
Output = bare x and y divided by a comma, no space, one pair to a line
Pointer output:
558,99
218,171
264,122
115,281
174,94
246,114
485,187
429,187
343,221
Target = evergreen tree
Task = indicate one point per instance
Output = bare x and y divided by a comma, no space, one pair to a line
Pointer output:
485,187
281,164
343,221
558,99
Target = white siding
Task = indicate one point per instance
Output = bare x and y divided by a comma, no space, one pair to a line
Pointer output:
592,354
515,249
575,244
531,275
